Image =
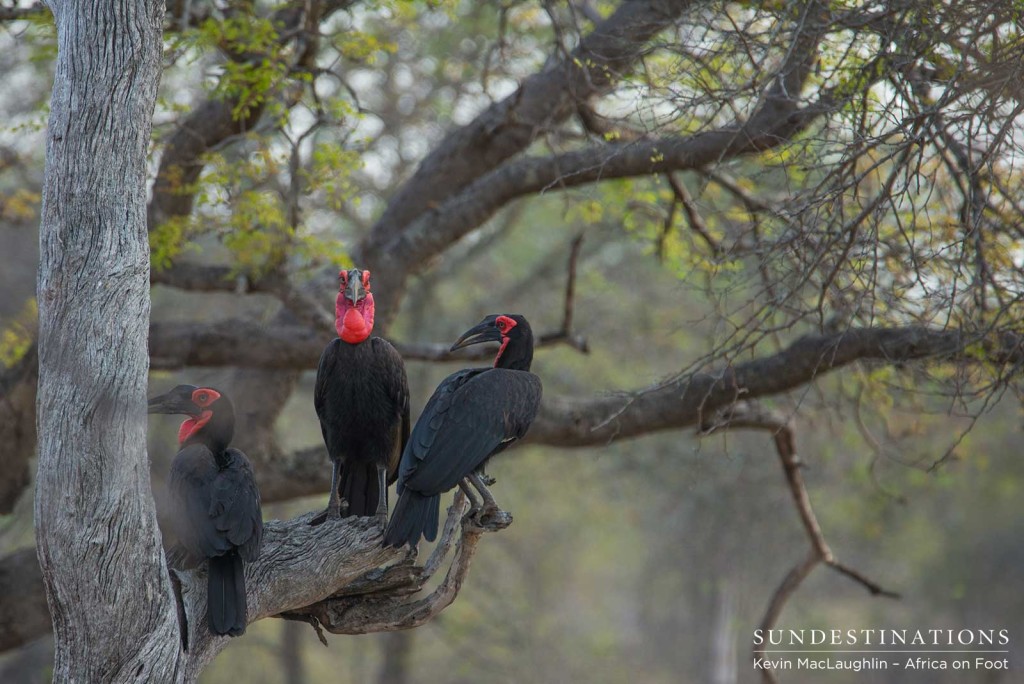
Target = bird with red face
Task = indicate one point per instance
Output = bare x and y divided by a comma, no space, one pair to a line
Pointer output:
215,503
361,397
472,415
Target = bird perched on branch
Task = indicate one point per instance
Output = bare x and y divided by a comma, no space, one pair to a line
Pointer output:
215,502
362,400
472,415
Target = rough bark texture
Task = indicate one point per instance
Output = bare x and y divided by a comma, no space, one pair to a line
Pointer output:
96,531
299,566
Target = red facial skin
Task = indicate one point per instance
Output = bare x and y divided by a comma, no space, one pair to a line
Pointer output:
354,323
202,398
505,325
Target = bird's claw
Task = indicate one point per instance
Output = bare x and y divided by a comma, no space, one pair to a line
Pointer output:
487,480
492,518
323,517
331,512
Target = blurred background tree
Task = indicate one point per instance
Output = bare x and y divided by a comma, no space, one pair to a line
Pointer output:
764,192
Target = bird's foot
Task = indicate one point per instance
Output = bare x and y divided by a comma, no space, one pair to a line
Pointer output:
331,512
492,518
487,480
381,518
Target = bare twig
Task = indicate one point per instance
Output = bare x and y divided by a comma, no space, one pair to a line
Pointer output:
696,221
747,415
309,620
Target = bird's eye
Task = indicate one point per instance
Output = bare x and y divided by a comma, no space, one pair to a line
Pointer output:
501,326
204,397
366,280
343,277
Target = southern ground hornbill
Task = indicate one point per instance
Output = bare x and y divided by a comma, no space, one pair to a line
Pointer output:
472,415
215,504
362,400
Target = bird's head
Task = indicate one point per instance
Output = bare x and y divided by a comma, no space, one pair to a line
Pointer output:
354,307
211,418
514,333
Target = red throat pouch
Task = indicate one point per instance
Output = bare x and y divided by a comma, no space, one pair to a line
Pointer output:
192,425
353,327
353,323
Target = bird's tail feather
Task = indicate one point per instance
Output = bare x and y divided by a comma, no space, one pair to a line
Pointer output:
360,488
226,594
415,515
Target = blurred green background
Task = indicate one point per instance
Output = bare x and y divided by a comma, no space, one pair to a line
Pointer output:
647,560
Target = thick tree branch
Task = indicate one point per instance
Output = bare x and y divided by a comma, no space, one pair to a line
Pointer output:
337,575
778,118
566,421
679,403
300,565
689,399
381,604
543,100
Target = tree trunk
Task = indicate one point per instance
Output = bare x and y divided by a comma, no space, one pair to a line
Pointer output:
394,667
96,533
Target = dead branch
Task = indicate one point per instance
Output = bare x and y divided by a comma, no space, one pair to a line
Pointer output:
693,216
381,605
751,416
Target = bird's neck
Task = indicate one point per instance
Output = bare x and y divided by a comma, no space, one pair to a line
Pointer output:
214,432
513,356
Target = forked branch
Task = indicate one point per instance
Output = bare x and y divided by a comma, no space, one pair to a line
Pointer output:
752,416
380,602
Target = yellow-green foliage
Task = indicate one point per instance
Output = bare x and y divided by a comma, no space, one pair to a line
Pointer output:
251,80
17,337
20,205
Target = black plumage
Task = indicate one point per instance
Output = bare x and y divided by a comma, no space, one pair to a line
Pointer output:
362,400
215,503
472,415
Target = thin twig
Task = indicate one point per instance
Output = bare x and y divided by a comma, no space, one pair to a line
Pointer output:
696,221
309,620
750,415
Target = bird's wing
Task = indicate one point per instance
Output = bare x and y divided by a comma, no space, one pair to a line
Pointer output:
324,370
235,505
397,382
216,510
472,415
192,473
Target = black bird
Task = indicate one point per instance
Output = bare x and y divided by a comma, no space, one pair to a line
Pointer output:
362,400
473,414
215,502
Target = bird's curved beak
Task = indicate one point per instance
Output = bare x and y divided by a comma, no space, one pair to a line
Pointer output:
173,403
354,290
482,332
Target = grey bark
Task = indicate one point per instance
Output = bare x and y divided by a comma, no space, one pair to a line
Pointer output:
300,565
96,532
